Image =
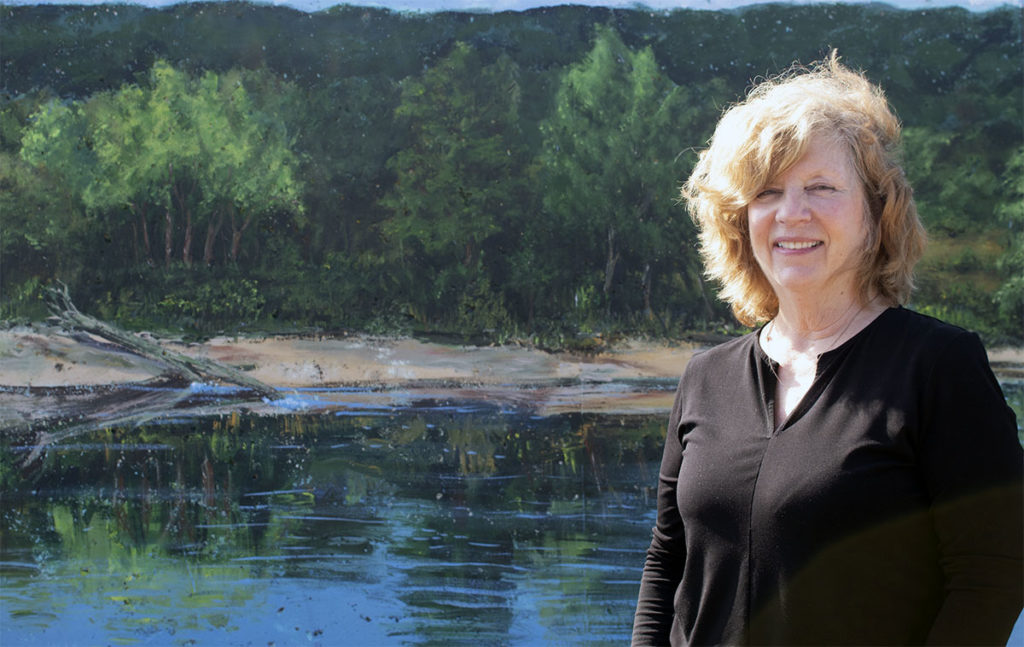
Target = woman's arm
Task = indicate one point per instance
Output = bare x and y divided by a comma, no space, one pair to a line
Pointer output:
666,556
974,469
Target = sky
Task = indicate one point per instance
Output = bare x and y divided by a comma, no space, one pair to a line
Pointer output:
520,5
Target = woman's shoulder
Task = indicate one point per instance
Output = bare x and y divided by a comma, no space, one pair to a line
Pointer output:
723,354
912,329
907,338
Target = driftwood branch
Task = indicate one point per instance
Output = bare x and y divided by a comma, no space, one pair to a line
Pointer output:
176,364
143,411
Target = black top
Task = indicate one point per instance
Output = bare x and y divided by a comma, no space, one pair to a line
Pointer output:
886,510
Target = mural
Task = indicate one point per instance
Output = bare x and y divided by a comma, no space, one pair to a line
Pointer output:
368,320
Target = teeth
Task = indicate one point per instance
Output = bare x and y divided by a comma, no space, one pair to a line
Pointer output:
794,245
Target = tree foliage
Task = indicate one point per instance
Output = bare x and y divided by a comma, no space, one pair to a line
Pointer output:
224,165
158,168
1010,295
615,148
457,180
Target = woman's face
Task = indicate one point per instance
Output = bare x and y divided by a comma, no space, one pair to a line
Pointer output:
808,226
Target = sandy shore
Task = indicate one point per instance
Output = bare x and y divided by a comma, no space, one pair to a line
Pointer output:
44,357
45,373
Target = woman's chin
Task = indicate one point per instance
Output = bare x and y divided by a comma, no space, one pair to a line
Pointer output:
803,283
799,286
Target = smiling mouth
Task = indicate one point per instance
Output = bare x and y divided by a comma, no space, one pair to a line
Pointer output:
797,245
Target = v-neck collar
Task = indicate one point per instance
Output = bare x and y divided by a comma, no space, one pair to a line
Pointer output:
827,366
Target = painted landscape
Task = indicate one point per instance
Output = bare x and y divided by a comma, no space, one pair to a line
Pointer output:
236,167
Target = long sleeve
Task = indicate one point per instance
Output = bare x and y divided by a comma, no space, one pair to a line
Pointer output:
972,464
666,556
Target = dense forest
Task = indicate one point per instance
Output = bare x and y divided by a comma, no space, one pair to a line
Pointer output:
231,166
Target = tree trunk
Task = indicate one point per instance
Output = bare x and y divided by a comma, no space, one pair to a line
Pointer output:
181,195
147,249
169,219
136,255
709,310
193,369
131,411
168,235
647,281
236,244
186,247
211,237
236,235
649,312
609,270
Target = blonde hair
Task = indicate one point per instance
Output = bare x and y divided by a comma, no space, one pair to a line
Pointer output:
760,138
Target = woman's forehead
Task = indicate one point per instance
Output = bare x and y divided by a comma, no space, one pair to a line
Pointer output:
816,152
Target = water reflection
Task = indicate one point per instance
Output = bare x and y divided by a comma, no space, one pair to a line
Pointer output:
444,524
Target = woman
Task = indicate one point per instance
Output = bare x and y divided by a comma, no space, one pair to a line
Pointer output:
850,472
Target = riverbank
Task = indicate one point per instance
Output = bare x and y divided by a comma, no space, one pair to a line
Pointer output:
46,373
42,356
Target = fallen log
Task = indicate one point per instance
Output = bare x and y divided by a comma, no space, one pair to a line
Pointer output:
190,369
142,410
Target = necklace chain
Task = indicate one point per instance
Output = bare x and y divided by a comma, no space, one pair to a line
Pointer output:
835,339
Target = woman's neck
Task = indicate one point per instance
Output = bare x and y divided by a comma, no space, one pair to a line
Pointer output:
815,328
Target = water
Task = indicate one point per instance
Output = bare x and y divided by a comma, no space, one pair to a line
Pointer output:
433,525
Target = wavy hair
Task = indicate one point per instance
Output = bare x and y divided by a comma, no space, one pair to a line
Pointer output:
761,137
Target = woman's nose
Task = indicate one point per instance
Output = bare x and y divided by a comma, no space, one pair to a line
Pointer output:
793,207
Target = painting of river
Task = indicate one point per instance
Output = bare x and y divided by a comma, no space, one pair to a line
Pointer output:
443,521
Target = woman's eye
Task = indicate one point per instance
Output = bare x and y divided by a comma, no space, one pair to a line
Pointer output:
767,193
822,187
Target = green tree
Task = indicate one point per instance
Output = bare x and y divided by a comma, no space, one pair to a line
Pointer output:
193,149
44,230
250,169
615,150
457,179
130,172
1010,295
59,143
346,134
40,235
957,187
